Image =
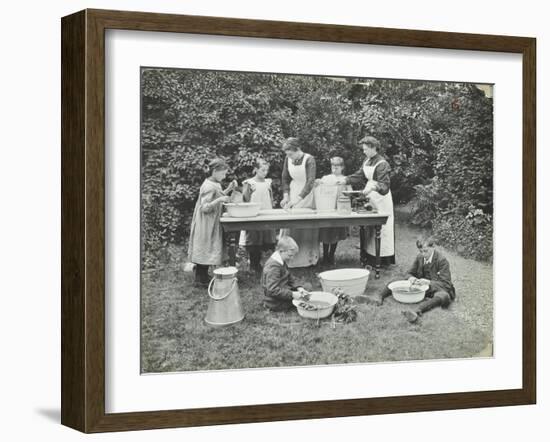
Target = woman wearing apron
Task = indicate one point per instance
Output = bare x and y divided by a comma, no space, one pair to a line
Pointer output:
377,172
297,181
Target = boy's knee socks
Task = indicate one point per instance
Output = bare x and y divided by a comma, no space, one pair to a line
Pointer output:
429,304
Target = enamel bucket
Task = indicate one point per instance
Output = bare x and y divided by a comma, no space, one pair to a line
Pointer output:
325,197
225,306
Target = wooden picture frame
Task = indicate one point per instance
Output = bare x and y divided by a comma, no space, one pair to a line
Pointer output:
83,220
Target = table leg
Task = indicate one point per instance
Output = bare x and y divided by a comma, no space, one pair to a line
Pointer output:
362,251
377,229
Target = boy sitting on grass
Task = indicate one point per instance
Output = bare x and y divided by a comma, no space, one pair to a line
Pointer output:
430,268
280,287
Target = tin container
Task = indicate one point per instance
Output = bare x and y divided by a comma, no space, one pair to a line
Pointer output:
225,306
343,205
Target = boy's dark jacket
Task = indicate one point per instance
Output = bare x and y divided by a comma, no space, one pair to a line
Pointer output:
277,283
438,271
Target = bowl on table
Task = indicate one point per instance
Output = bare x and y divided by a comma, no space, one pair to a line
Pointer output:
349,193
320,305
242,210
404,292
353,282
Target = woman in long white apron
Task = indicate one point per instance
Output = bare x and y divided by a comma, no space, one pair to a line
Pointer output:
298,179
376,171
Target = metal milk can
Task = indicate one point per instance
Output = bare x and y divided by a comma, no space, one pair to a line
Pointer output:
225,303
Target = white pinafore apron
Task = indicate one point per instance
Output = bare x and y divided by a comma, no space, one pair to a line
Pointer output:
384,205
261,193
307,239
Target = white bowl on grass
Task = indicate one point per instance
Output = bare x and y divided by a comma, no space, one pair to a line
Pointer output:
328,301
404,292
353,282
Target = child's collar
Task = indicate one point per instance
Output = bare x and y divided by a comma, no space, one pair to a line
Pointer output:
429,260
278,258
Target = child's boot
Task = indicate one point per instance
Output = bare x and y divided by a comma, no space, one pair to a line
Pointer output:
411,316
201,275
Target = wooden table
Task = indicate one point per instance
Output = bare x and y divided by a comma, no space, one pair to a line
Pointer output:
279,219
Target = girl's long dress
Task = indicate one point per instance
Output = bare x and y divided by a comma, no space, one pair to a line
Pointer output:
206,245
307,239
260,192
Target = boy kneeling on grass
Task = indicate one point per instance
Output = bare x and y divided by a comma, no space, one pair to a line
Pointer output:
430,268
280,287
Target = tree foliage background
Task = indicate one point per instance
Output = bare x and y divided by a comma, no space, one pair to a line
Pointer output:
438,138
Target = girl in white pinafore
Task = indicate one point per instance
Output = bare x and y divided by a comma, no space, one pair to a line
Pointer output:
298,180
258,190
377,172
327,192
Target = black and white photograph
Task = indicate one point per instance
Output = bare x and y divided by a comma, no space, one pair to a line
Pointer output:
298,220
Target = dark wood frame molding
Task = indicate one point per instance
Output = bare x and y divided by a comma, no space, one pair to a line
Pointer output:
83,217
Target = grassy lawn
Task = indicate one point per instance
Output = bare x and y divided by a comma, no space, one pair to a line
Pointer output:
176,338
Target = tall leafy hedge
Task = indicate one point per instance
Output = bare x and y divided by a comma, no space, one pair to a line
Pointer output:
437,137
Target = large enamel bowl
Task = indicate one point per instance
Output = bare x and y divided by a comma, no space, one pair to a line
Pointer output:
402,291
328,299
242,210
353,282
